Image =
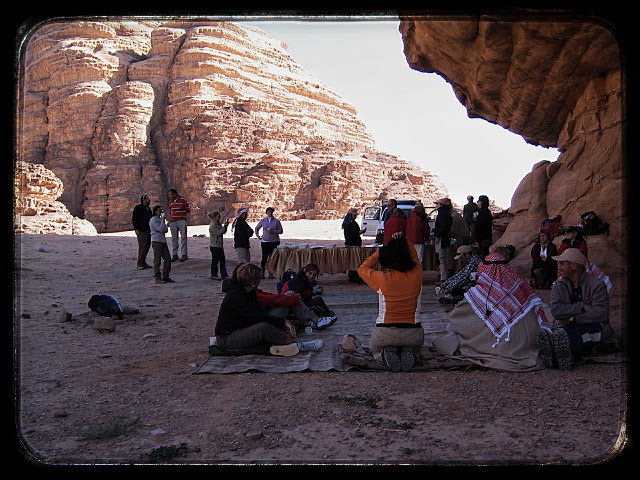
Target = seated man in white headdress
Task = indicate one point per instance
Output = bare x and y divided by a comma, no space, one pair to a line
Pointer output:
580,306
495,326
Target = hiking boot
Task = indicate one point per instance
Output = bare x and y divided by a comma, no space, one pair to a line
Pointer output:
167,280
159,280
392,359
324,322
184,258
174,258
543,339
562,349
284,350
310,345
606,346
406,358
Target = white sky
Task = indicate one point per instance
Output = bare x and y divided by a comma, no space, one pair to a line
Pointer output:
410,114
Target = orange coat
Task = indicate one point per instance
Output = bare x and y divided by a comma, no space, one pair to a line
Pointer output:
399,292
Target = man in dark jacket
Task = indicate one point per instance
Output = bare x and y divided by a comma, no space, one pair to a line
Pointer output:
484,226
442,237
140,219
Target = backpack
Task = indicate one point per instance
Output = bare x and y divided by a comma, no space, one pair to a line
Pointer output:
592,225
553,225
286,276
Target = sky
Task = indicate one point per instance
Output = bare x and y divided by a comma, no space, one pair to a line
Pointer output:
413,115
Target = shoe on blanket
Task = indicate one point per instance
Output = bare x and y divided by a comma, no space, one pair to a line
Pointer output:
406,358
310,345
392,359
284,350
324,322
562,348
543,339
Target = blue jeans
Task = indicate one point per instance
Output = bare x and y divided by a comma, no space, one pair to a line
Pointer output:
577,342
217,257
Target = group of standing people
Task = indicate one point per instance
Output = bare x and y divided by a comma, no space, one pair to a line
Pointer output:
151,227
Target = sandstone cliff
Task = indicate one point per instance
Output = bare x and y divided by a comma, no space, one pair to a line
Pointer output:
556,83
221,112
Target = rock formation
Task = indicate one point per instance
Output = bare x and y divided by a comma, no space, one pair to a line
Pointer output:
556,83
36,191
221,112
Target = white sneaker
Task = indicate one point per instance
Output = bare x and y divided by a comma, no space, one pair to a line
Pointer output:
324,322
310,346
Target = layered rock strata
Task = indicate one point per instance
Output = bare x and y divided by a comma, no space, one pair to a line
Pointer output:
556,83
221,112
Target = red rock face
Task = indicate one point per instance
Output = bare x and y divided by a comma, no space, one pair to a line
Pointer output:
557,84
218,111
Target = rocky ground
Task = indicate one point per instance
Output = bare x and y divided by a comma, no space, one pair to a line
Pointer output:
131,395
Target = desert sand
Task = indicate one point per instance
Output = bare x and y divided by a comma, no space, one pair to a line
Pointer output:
131,396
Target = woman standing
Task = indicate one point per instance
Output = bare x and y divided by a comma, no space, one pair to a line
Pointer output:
270,239
352,232
216,232
242,232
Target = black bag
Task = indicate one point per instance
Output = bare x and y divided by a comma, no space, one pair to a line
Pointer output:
105,305
286,276
592,225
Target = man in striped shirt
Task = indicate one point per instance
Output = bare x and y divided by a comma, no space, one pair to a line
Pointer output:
178,209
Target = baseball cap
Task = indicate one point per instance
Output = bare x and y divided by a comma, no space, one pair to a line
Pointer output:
571,255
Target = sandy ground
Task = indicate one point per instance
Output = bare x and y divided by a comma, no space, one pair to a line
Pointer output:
130,396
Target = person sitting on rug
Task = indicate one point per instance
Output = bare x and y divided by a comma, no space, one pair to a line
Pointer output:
398,336
455,287
580,305
496,323
544,269
243,327
284,305
304,284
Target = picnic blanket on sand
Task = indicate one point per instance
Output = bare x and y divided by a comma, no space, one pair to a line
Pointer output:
356,319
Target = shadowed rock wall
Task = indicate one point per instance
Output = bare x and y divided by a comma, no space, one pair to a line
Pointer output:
556,83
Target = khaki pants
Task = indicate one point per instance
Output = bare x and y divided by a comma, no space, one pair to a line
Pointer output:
383,336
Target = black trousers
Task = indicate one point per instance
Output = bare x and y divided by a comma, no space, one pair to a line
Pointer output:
267,248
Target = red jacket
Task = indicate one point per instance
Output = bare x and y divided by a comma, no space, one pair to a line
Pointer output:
396,223
267,300
417,228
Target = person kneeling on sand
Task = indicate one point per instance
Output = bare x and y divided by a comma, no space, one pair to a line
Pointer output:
397,337
243,325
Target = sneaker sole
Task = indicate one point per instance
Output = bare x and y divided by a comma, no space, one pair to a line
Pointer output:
406,358
545,344
284,350
391,359
562,349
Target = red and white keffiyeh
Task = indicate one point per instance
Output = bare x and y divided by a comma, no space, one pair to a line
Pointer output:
502,297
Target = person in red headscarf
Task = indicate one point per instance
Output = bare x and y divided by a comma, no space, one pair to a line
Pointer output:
496,323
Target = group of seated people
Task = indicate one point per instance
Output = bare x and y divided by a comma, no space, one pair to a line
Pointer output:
498,321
